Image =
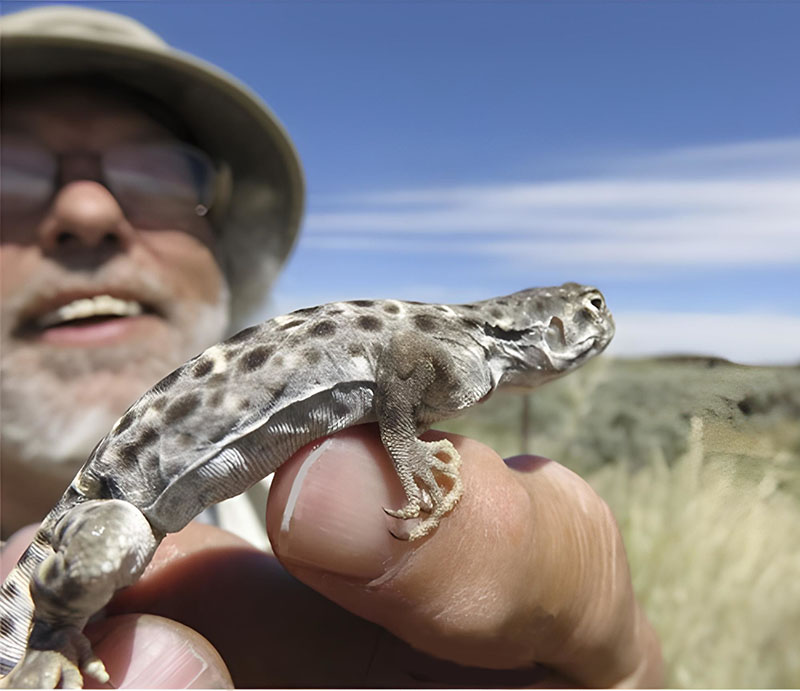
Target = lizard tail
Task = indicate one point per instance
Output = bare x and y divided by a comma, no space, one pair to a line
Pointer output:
16,605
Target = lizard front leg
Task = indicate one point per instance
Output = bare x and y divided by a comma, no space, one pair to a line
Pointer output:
409,370
100,546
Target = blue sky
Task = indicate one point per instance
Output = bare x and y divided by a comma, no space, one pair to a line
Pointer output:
458,150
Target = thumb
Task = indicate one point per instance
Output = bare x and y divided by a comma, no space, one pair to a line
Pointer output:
451,594
325,511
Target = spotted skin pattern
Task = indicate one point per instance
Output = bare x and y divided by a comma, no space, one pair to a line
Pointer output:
233,414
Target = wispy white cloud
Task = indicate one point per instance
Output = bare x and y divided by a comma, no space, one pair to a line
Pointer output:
726,205
748,338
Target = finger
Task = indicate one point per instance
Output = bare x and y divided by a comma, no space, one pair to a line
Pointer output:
503,583
144,651
270,629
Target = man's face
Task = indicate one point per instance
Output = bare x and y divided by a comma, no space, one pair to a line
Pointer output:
101,295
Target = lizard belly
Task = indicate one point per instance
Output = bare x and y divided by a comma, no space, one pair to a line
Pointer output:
232,469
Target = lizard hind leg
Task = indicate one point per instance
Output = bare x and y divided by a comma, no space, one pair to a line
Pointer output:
55,660
99,546
419,467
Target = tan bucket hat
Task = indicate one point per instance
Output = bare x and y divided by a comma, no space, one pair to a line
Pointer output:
227,119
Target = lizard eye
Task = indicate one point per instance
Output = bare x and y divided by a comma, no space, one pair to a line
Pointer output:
597,302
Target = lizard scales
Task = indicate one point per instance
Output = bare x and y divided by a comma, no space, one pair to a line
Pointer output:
236,412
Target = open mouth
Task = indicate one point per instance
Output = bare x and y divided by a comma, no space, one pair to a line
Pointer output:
86,319
88,311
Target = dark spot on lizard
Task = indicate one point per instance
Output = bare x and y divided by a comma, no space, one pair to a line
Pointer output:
362,303
168,382
146,438
181,407
391,308
126,459
244,404
354,349
369,323
323,329
277,393
291,325
335,311
425,322
217,379
159,404
306,310
502,302
503,334
312,356
7,625
185,440
469,306
216,398
254,358
243,335
496,313
203,367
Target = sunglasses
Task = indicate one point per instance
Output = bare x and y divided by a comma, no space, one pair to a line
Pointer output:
152,182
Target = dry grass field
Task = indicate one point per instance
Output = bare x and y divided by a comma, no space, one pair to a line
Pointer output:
700,461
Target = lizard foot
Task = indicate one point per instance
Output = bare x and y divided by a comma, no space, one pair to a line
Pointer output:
69,652
418,474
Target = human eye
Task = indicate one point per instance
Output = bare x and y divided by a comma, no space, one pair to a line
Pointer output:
27,174
167,178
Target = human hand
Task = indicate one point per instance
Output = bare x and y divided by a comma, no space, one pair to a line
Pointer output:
528,568
141,650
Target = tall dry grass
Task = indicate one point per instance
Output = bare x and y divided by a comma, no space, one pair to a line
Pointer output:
700,462
715,557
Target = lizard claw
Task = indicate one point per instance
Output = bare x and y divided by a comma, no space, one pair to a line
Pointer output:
58,666
424,492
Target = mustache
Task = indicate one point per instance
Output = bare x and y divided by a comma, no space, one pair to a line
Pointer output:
53,285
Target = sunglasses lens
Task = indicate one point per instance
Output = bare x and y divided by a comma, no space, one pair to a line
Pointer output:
157,183
27,172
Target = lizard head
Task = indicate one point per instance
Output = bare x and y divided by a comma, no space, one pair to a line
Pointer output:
545,332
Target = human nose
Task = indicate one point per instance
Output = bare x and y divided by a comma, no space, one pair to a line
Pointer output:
84,215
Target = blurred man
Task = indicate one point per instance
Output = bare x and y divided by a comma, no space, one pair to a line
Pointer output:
148,200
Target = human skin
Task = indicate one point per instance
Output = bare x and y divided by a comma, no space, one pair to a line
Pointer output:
524,584
62,389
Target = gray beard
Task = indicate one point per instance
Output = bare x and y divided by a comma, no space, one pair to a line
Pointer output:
57,403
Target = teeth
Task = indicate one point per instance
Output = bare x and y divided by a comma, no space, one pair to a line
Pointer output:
98,306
